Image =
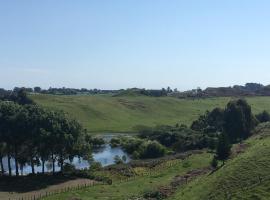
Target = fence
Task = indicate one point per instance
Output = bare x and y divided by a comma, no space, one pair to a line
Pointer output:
44,194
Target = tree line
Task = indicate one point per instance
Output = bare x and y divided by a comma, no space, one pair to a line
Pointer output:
32,135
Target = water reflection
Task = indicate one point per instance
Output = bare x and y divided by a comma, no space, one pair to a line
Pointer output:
104,154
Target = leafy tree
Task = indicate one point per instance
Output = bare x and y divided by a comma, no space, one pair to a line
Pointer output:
223,150
37,89
210,122
201,123
30,133
238,120
9,113
20,96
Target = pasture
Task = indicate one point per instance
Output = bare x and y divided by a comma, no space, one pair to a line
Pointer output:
107,114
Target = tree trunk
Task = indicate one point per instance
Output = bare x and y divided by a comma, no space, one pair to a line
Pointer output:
61,163
16,166
53,164
16,162
43,166
2,166
21,168
9,165
32,166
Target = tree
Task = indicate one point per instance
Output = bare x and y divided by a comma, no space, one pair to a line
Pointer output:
223,150
2,154
210,122
9,113
37,89
238,120
30,133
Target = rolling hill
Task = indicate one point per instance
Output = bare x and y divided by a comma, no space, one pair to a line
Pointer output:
104,113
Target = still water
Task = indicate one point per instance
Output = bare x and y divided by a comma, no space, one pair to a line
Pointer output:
104,154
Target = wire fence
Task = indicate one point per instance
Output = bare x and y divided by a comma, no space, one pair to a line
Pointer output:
44,194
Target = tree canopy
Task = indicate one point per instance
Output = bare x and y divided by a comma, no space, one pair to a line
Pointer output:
33,135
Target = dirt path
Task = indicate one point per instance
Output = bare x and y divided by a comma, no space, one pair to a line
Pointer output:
52,188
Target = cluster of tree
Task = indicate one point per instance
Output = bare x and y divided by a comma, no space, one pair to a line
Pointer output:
17,95
179,138
232,124
216,129
140,148
73,91
145,92
236,120
249,89
55,91
33,135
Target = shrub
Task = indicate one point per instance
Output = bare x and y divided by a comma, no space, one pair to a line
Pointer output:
95,166
115,142
69,168
152,149
263,117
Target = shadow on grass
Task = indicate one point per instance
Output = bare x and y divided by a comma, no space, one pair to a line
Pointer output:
31,182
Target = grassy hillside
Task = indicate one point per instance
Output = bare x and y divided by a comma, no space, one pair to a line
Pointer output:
141,183
104,113
239,178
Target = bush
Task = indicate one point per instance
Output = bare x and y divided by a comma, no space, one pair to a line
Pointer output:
152,149
154,195
69,168
115,142
263,117
95,166
139,148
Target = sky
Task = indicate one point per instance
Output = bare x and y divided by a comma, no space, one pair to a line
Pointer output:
113,44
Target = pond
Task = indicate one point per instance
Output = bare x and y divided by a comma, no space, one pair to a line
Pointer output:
104,154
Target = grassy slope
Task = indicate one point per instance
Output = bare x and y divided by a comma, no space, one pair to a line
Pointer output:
122,114
238,178
136,187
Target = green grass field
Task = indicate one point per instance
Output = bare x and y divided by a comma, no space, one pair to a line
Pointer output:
103,113
141,184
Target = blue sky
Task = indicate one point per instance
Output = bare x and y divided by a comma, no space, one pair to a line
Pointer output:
114,44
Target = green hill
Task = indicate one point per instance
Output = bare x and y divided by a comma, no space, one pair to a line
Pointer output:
245,177
104,113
